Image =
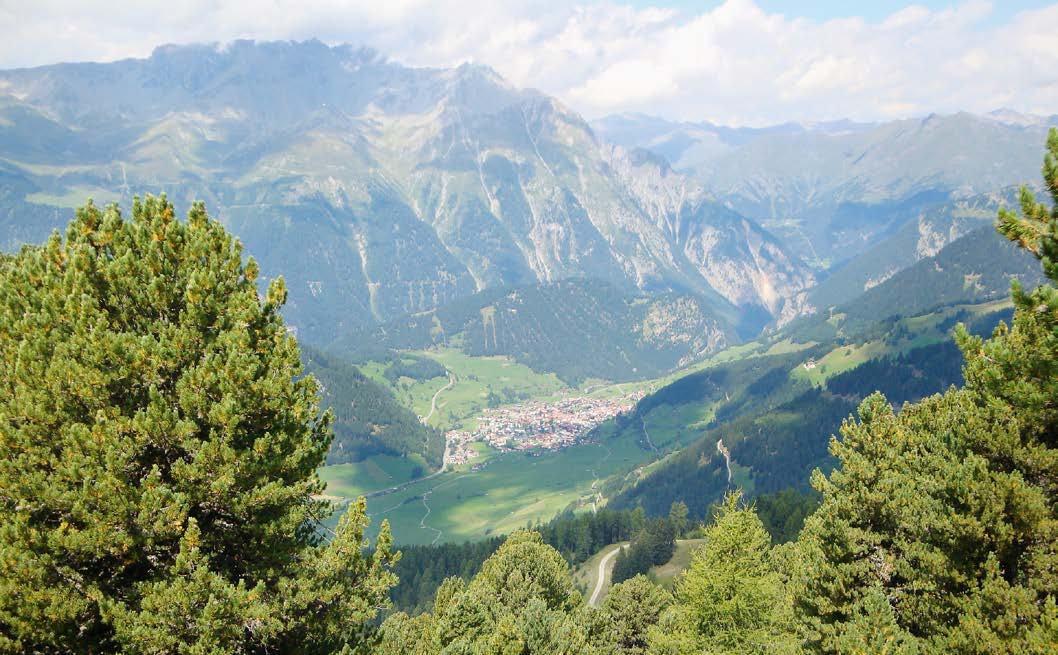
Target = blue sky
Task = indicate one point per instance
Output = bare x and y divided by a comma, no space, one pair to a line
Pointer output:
734,62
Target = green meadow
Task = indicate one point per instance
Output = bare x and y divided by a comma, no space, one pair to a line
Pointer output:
506,492
374,473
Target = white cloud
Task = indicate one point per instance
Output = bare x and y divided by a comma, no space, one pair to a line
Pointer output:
733,64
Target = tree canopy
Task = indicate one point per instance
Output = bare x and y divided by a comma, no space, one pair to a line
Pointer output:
158,488
938,532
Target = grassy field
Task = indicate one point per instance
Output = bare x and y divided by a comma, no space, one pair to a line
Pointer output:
665,575
377,472
508,491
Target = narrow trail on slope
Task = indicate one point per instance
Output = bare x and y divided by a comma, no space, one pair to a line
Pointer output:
723,450
433,401
422,521
595,478
601,580
650,442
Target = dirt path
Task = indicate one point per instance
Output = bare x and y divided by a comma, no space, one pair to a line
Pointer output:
650,442
722,449
595,479
600,582
433,401
422,521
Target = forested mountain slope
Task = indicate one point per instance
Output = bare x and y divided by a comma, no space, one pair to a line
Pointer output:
368,419
577,329
975,268
922,235
775,412
774,444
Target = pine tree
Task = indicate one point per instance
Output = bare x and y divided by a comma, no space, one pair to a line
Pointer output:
938,531
632,608
522,601
158,449
731,599
678,517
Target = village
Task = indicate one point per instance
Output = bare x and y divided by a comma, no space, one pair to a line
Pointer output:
537,425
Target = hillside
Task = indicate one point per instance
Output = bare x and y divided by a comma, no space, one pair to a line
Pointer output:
776,405
576,329
922,235
975,268
774,443
368,419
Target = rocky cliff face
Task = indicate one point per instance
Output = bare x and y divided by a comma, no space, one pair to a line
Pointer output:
376,189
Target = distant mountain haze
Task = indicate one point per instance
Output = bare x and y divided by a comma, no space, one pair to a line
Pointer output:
831,190
374,188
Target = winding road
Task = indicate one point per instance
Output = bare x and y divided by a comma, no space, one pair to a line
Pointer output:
600,582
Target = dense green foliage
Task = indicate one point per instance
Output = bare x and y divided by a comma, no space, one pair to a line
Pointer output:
422,569
732,598
368,420
522,601
158,449
632,608
783,513
651,546
938,532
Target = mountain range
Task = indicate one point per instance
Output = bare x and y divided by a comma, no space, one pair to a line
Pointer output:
374,188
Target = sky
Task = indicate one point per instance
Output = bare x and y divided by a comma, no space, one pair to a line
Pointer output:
733,62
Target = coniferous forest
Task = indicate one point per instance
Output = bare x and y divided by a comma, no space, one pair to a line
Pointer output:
159,489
